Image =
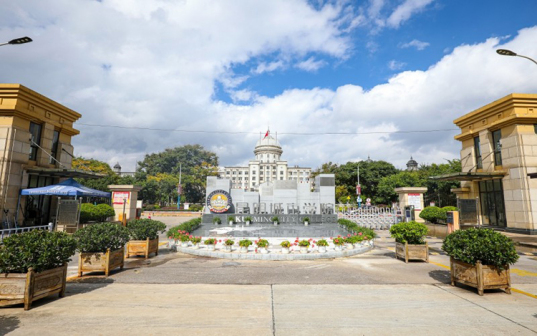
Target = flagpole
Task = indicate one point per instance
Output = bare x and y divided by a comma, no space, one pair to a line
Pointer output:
179,189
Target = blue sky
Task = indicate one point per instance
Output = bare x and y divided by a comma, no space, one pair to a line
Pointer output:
316,67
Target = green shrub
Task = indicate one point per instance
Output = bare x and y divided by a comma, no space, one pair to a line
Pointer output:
322,242
195,240
141,229
231,219
245,243
488,246
353,227
285,243
210,241
217,220
195,207
87,212
411,232
103,211
229,242
187,226
275,219
100,237
433,214
306,219
304,243
262,243
248,219
39,249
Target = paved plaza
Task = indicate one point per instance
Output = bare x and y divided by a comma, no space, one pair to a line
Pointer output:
368,294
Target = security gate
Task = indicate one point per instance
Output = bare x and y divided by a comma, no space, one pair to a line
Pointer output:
373,218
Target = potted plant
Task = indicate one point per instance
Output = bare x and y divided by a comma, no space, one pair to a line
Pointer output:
275,220
210,243
322,244
410,241
285,246
33,265
195,242
101,247
217,221
244,244
248,220
480,258
262,245
338,242
144,237
185,240
306,221
228,243
304,244
349,241
231,220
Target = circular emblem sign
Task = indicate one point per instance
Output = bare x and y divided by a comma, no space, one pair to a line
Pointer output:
219,201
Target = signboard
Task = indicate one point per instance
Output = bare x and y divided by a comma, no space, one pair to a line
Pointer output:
219,201
358,190
67,214
368,201
415,200
179,189
449,215
119,196
467,211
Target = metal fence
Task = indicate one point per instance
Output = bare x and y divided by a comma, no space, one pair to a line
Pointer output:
8,232
372,217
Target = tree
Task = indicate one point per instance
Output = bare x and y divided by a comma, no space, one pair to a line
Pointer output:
99,167
188,156
386,188
440,191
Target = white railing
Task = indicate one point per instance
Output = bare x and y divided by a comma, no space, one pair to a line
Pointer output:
8,232
373,218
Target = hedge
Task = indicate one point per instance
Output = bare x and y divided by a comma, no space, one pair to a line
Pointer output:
99,213
187,226
411,232
101,236
353,227
141,229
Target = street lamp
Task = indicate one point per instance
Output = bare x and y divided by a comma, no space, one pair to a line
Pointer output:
505,52
20,40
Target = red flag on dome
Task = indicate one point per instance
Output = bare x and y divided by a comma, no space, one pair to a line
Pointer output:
267,134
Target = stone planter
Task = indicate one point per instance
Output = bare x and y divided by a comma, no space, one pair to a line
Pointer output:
28,287
306,223
247,223
322,249
230,223
275,223
195,246
303,249
412,251
262,250
285,250
349,246
142,247
337,247
185,244
210,247
228,248
100,261
244,249
480,276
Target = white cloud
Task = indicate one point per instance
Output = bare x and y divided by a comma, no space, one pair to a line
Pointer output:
268,67
168,61
405,10
420,45
311,64
396,65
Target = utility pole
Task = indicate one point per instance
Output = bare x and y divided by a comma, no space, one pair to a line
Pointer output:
358,187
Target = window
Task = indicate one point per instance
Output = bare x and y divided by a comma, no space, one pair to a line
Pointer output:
245,173
496,137
253,178
35,131
54,152
261,173
281,172
253,172
477,149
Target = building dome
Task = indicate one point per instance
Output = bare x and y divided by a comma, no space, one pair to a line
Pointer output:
268,149
117,168
412,164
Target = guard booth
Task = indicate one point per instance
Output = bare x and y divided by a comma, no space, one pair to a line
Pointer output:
409,213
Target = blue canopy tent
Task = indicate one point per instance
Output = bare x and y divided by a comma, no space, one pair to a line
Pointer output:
68,187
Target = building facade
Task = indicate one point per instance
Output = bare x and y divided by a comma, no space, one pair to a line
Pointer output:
35,150
267,167
499,150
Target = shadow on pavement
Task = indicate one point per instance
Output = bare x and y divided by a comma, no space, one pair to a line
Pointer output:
8,324
441,276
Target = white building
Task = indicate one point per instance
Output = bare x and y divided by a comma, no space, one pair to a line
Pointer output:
267,167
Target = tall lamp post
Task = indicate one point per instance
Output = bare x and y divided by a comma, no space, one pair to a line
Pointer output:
20,40
505,52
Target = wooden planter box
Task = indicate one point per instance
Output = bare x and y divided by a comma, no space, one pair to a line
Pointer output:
480,276
100,261
142,247
28,287
412,251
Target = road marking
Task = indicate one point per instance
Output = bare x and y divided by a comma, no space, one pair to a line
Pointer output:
435,253
391,248
522,292
72,277
523,272
162,243
512,288
318,266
